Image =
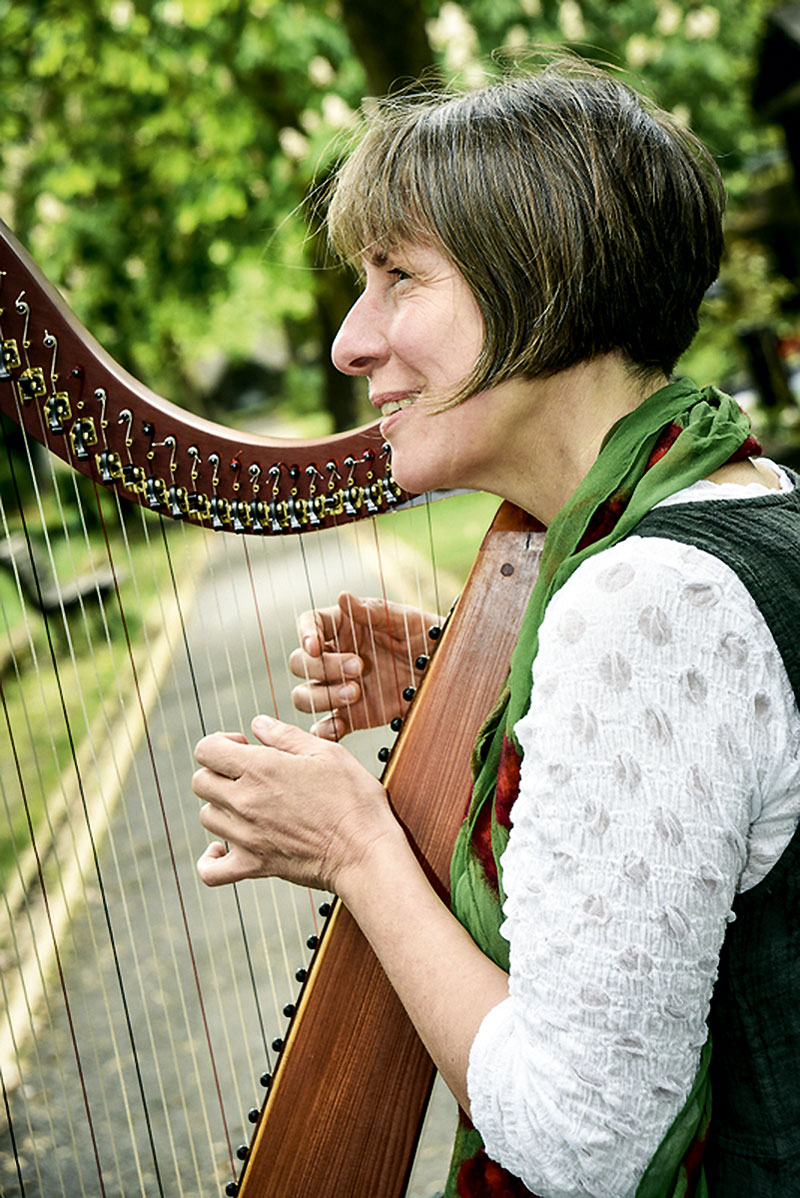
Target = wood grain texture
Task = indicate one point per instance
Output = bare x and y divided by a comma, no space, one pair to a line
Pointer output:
344,1111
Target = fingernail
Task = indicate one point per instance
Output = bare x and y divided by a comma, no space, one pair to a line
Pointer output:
351,667
307,643
350,691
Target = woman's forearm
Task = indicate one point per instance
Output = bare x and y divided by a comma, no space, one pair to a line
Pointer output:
446,984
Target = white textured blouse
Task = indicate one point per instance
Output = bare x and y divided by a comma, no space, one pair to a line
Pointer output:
660,777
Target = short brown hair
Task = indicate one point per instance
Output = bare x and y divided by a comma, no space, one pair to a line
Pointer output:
583,218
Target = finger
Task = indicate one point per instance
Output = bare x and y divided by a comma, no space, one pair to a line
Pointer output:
219,866
285,737
216,821
213,788
325,667
362,611
227,824
317,627
314,698
222,752
332,727
396,621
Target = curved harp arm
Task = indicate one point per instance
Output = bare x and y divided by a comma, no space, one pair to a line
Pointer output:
69,394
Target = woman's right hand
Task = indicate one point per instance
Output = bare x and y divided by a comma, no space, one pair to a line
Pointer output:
356,659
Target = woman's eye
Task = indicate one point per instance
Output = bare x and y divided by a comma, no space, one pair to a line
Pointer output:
398,274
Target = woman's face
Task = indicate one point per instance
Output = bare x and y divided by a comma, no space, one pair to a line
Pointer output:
416,333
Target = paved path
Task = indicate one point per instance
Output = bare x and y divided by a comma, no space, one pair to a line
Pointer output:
137,984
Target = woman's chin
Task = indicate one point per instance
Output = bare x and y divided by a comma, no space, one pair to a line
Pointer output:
416,481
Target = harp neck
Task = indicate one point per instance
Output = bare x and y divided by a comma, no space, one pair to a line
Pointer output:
70,395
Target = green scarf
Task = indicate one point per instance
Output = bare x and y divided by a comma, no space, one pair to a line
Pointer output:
677,436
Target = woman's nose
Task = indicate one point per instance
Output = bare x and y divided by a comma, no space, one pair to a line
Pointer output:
359,345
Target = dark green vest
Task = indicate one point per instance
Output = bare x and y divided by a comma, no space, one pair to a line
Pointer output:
754,1149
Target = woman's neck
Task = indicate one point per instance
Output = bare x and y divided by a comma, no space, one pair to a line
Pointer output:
561,423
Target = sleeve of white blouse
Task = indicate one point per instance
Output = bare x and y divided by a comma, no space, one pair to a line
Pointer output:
641,776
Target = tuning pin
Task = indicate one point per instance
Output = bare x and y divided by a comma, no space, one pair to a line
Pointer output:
311,515
154,493
371,505
291,512
109,464
178,501
256,514
216,519
83,434
349,505
239,515
274,522
389,496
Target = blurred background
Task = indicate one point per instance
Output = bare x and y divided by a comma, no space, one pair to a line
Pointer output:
158,159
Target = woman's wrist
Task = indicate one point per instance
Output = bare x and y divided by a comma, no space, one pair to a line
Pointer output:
381,856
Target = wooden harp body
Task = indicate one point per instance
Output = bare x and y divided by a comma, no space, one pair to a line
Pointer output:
347,1079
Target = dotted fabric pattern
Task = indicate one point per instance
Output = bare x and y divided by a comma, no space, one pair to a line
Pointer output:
661,775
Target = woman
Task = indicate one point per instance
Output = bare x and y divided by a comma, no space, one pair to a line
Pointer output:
534,257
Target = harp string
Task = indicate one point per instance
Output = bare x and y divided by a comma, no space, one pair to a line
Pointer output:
94,853
255,988
7,1109
204,728
148,739
179,782
93,848
260,625
218,632
53,941
21,872
151,655
271,683
144,709
290,896
384,594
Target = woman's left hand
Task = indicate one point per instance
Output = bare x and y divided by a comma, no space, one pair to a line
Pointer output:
293,806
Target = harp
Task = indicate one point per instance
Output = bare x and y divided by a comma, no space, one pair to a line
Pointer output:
129,1055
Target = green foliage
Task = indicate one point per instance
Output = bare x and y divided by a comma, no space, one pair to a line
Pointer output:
145,162
699,60
156,155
